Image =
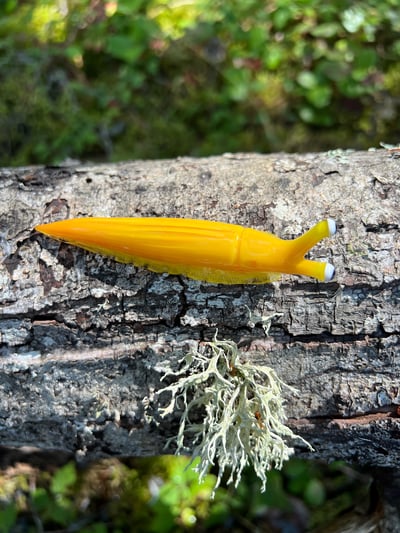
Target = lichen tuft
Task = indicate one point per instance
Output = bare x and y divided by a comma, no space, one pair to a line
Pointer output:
243,412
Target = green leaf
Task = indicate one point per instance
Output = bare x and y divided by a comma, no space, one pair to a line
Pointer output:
350,88
7,6
257,38
123,47
365,58
307,79
62,511
41,499
310,115
73,51
8,518
353,19
129,7
396,47
281,17
327,29
319,96
273,56
276,496
314,493
63,479
239,83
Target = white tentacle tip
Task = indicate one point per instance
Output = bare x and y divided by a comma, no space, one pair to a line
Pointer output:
331,226
329,272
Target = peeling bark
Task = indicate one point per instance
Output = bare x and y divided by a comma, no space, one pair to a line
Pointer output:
85,339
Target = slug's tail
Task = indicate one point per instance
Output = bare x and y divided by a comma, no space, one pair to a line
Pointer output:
315,269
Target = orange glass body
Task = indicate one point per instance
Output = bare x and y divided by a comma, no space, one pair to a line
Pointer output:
216,252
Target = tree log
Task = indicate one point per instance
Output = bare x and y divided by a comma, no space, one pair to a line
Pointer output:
85,339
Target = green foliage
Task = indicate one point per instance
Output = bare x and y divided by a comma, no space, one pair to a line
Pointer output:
151,78
181,500
63,479
8,517
162,495
55,504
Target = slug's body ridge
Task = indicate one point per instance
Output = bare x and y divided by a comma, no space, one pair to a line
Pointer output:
216,252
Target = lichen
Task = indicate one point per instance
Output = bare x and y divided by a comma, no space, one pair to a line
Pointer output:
242,408
264,321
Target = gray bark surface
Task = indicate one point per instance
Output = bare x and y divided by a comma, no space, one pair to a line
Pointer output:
83,339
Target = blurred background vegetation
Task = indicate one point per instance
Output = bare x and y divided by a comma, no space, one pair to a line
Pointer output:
162,495
127,79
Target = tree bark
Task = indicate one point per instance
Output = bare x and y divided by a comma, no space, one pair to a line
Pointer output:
84,339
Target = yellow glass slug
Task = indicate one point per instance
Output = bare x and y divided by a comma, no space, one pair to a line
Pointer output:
216,252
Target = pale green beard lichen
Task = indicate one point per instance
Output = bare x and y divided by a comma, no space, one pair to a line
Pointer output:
242,404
